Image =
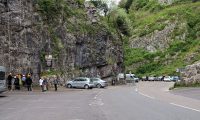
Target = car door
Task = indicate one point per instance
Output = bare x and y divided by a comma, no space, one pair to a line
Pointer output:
82,82
95,81
75,83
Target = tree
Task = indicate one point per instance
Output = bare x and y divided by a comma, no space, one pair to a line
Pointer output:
122,3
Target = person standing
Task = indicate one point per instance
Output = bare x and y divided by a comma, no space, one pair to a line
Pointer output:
16,83
23,80
55,82
44,84
41,84
29,83
9,79
20,79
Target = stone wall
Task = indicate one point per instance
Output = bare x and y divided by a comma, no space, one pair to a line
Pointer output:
24,40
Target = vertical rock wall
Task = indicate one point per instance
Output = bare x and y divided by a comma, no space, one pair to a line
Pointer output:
24,40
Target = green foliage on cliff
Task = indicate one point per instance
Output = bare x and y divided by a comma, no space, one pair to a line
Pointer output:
51,10
148,16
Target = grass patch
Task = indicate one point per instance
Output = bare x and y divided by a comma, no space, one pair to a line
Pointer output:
183,84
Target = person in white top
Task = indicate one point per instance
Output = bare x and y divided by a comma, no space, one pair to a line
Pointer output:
41,84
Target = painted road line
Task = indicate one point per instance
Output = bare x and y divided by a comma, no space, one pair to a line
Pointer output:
136,89
11,108
146,95
185,107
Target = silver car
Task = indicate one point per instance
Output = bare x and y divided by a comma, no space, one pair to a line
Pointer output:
80,82
99,83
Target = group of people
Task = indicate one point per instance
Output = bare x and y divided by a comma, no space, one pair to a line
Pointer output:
18,81
44,84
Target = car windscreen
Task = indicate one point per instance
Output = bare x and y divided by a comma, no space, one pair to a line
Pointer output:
2,75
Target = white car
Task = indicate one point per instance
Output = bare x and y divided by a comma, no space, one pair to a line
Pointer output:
80,82
167,78
99,83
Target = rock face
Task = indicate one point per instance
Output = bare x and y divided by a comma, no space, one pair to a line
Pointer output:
158,40
166,1
191,74
24,40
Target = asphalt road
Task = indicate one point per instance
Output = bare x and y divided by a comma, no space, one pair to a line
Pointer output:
113,103
188,92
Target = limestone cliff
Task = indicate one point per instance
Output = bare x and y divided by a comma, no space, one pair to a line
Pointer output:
191,74
79,46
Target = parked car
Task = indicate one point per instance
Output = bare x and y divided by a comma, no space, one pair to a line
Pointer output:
175,78
152,78
99,83
136,79
144,78
80,82
161,78
167,78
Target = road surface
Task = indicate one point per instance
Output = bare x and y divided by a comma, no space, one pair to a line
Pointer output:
187,92
139,102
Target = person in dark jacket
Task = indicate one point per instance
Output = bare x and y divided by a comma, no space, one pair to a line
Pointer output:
16,83
9,78
29,83
55,82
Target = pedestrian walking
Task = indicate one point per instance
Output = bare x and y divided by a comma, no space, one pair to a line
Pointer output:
55,82
41,84
29,83
9,79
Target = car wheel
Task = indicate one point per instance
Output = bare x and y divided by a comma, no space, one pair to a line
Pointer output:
69,86
99,86
86,87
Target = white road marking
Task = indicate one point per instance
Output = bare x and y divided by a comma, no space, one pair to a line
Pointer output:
46,107
136,89
146,95
185,107
166,90
97,101
11,108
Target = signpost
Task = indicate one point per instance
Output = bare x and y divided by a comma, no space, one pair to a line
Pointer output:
49,59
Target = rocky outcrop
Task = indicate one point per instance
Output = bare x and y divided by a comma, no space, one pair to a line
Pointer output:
166,1
191,74
25,40
158,40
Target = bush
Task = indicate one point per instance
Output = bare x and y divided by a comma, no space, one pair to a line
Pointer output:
153,6
139,4
53,9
